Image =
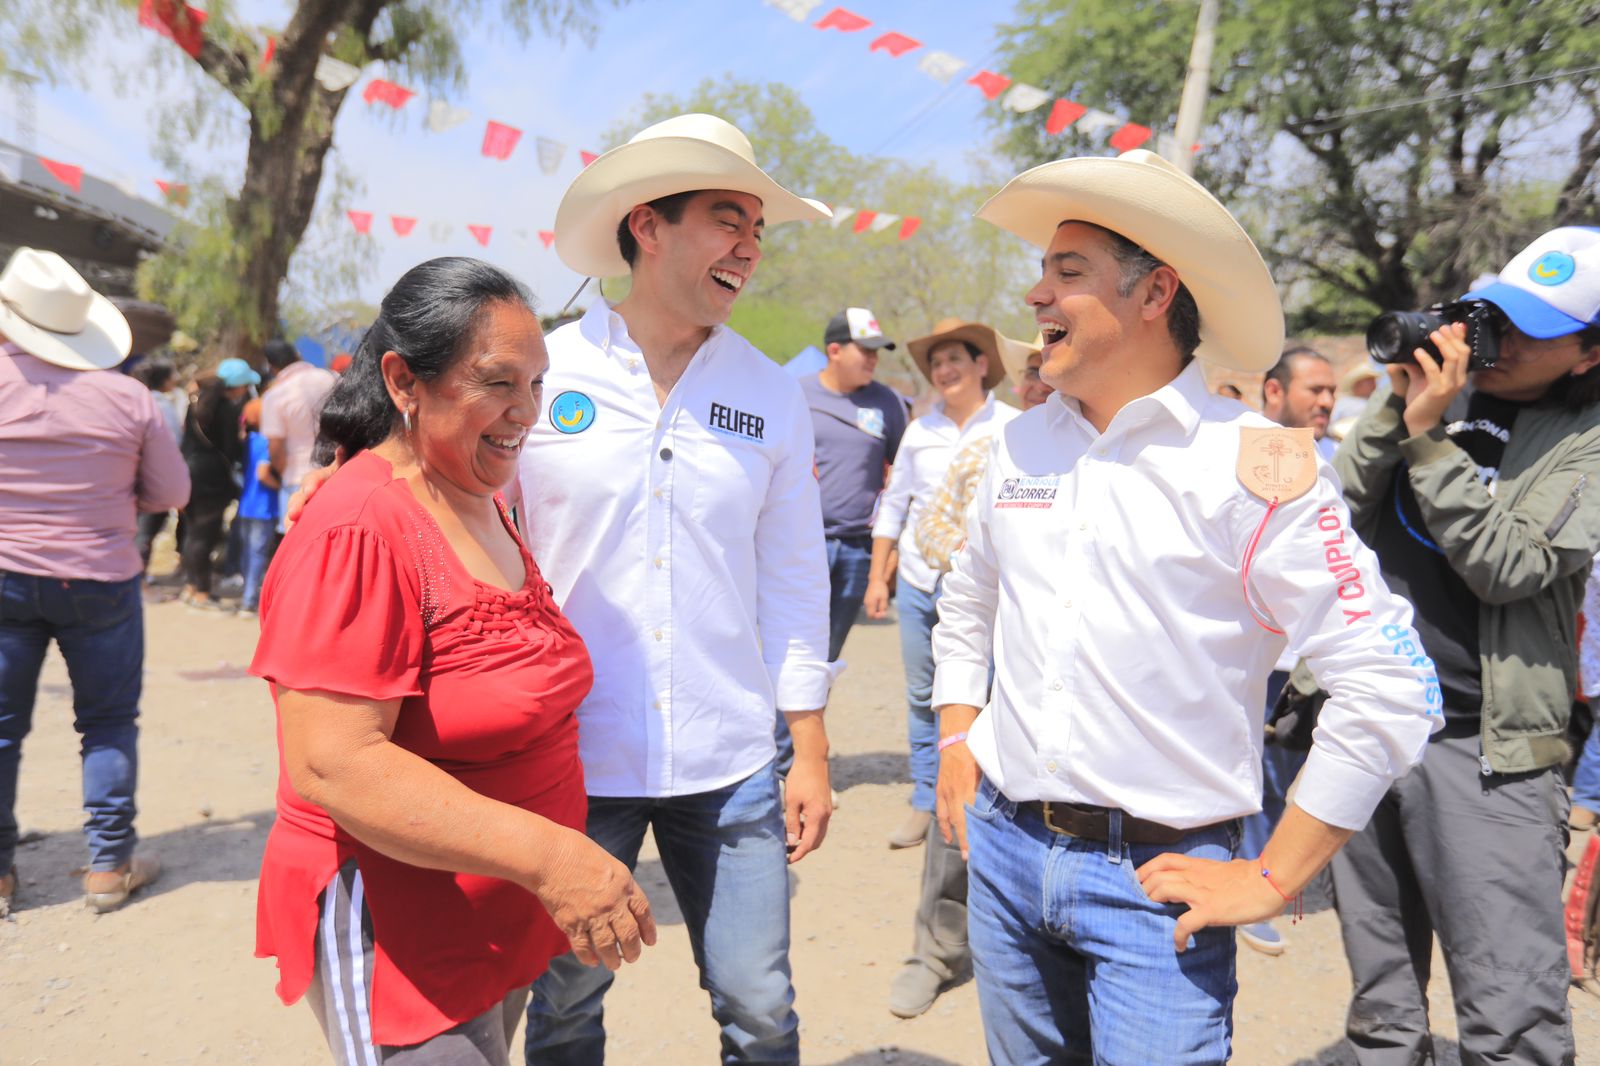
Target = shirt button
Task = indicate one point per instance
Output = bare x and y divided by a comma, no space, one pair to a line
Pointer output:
1083,527
633,364
1051,766
658,705
658,564
1066,603
658,634
666,453
658,494
1056,685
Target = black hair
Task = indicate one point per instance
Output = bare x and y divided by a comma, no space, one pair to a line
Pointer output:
1283,370
154,374
1574,392
669,208
972,349
280,353
428,318
1134,264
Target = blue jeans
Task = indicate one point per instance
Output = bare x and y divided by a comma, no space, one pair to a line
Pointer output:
849,563
1279,766
258,535
918,615
723,853
99,627
1074,963
1586,778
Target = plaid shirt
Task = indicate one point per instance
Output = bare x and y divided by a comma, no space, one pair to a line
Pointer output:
943,528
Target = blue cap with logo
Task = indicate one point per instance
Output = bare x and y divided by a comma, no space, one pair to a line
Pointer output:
1552,287
235,372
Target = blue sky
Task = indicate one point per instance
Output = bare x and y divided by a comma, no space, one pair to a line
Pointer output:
103,115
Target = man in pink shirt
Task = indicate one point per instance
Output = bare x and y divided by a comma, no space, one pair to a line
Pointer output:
82,450
289,410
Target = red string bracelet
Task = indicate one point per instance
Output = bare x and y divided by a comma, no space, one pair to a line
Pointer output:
1298,899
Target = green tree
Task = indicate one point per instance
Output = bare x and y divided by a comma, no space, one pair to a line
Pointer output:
1355,191
225,279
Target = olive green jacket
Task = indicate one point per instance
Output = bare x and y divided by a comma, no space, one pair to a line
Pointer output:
1524,546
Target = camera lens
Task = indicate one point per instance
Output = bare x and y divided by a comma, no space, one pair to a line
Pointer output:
1395,335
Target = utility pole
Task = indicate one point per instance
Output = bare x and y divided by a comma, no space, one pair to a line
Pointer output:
1192,106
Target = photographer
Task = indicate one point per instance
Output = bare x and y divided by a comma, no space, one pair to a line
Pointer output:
1488,523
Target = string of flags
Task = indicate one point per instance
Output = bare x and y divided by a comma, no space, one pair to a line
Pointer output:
1015,96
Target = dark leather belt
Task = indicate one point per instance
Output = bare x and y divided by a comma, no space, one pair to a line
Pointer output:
1094,823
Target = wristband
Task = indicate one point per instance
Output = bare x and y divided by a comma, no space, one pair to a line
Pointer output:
1297,899
953,738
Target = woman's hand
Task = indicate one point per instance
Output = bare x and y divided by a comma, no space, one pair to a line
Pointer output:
1428,385
596,902
313,481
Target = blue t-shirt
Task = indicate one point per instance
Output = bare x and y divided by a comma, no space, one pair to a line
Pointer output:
257,501
857,436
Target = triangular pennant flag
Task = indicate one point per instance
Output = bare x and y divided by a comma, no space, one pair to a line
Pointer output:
1024,98
883,221
443,116
402,226
586,157
387,92
335,75
269,48
440,231
799,10
896,44
989,83
481,233
361,220
843,21
1093,121
546,238
499,139
863,220
180,23
550,153
175,192
521,237
67,174
839,215
1062,115
941,66
1130,137
909,226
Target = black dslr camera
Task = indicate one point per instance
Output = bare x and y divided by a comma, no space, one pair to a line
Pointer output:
1394,336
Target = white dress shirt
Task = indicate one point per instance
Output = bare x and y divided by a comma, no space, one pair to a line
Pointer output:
1105,572
684,541
926,450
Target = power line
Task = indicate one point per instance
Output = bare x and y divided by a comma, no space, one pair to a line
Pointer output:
1325,123
928,108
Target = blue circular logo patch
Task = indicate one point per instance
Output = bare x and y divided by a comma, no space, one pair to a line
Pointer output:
571,412
1552,268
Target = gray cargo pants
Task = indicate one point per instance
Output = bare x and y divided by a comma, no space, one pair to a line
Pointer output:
1477,860
941,925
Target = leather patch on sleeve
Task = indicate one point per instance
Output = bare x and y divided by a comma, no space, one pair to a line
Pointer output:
1277,463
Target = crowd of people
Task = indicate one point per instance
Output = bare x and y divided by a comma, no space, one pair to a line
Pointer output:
1167,656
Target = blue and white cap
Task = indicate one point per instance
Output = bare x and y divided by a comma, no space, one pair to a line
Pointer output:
1552,287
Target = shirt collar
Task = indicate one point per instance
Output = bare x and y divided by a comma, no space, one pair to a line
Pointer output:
608,331
1183,399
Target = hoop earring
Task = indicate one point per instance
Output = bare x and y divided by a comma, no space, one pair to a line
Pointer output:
405,416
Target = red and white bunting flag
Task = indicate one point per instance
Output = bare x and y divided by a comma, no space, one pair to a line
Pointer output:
443,116
1130,136
550,153
481,233
799,10
336,75
882,221
175,192
989,83
941,66
843,21
499,139
839,215
440,231
180,23
269,48
361,220
66,173
909,226
863,220
586,157
546,237
1024,98
1093,121
387,92
521,237
896,44
1062,115
402,225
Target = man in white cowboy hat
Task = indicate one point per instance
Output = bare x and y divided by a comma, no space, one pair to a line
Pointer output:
83,450
1137,554
670,498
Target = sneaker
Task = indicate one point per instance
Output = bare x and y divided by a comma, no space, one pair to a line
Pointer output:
913,831
106,890
1582,818
1263,937
914,989
8,891
247,612
232,585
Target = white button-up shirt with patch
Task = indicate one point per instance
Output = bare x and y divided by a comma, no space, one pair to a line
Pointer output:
684,541
1105,571
926,450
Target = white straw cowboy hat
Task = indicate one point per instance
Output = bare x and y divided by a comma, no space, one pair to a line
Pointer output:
1015,355
683,154
1152,203
49,311
981,337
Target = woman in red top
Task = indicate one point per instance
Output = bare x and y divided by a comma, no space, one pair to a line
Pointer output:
428,859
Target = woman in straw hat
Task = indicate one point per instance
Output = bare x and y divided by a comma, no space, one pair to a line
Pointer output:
1137,554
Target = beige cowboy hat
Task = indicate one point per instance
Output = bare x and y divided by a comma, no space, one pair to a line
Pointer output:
682,154
984,338
1152,203
1015,355
49,311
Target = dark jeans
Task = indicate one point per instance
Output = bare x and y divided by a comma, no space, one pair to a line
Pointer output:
201,535
150,527
258,536
99,627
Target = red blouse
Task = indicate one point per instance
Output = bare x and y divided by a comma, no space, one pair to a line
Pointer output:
365,598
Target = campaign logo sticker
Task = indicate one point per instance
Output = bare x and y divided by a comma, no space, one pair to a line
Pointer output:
1027,492
571,412
732,422
1552,268
869,420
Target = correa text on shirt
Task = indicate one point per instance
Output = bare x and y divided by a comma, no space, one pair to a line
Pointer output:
1339,563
